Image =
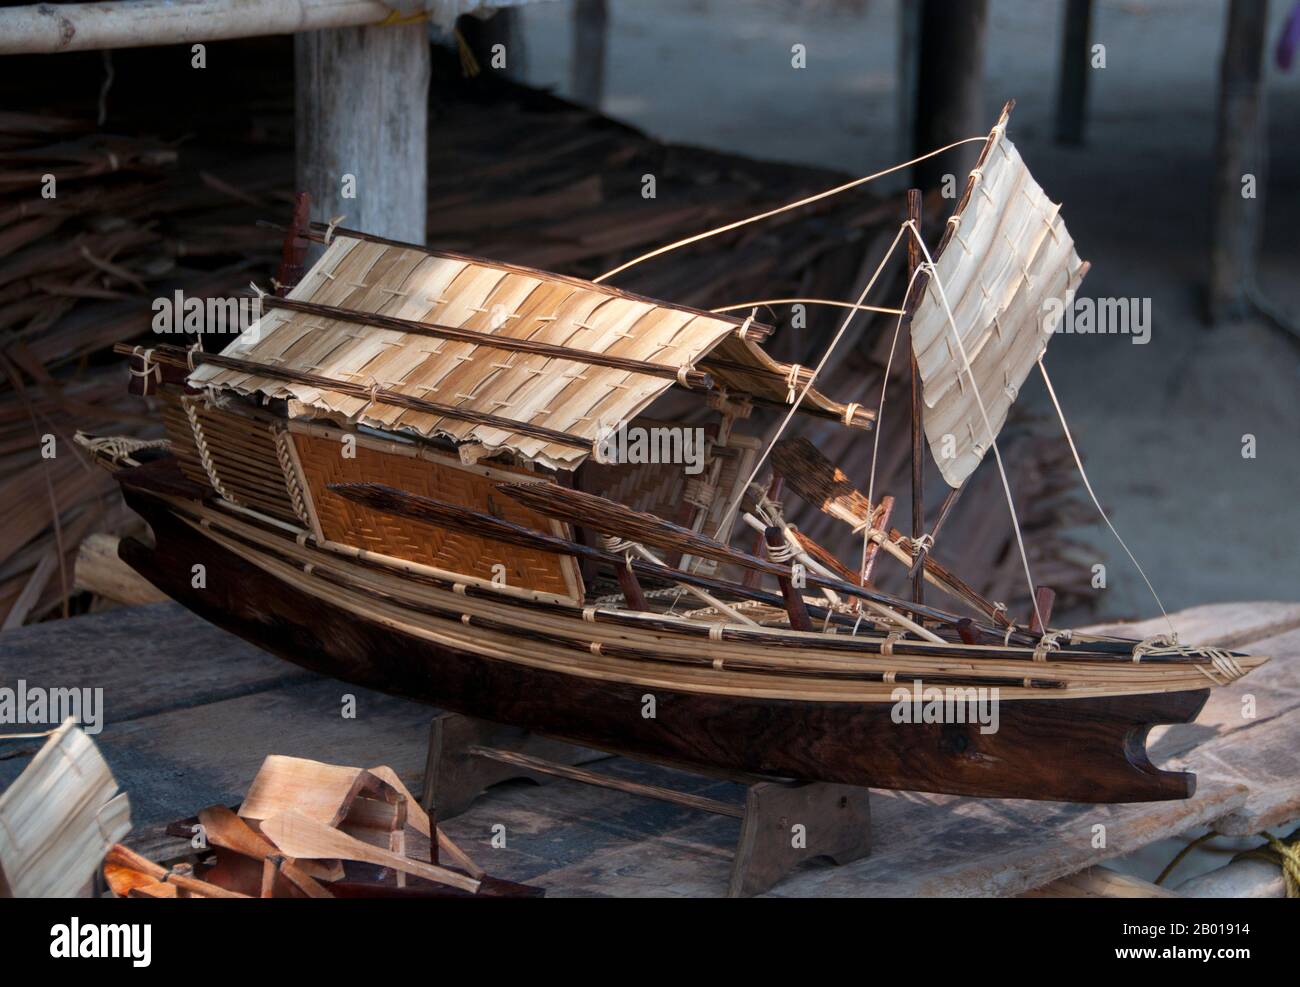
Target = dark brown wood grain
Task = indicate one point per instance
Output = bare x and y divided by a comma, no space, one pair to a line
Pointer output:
609,517
797,610
1088,750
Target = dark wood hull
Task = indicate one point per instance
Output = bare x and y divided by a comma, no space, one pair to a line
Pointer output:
1079,750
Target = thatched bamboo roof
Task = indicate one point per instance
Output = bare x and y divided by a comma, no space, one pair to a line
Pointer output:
478,338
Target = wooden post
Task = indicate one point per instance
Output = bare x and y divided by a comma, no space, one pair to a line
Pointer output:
949,88
751,578
794,604
587,62
1045,597
361,123
631,587
873,547
293,251
909,57
1239,152
918,402
1072,88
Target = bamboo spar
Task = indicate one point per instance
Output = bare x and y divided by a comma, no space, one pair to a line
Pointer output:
818,481
174,356
47,28
605,515
687,377
399,502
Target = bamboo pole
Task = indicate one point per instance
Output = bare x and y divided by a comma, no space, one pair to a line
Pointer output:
774,538
1072,86
1240,149
578,507
949,502
587,61
687,377
1077,662
756,331
47,28
873,547
178,358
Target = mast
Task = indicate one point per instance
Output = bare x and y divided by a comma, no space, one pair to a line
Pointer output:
918,406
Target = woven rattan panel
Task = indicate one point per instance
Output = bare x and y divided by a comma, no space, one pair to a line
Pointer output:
233,454
181,436
243,453
350,523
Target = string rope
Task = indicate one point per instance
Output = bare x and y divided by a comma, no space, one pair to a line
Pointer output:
880,408
1224,663
1083,475
807,200
988,424
808,301
758,465
29,736
620,546
867,526
333,225
783,552
1285,854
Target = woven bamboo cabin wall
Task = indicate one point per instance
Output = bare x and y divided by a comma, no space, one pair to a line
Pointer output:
350,523
180,433
239,457
655,488
667,491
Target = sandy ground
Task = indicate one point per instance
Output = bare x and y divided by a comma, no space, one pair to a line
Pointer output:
1162,424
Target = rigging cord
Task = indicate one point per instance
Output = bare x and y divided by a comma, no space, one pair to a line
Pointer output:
993,441
875,442
808,301
785,208
884,385
1083,475
794,405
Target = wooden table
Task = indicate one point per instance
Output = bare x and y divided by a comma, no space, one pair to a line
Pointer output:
190,712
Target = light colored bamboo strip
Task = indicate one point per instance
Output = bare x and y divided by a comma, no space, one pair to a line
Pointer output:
59,817
1159,681
817,642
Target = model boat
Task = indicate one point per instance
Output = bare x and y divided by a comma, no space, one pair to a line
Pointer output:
395,478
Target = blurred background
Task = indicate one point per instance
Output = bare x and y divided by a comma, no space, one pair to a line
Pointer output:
542,122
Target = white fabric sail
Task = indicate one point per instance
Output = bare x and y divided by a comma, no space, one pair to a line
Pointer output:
1005,257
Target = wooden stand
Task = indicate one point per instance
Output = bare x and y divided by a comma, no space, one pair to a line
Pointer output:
783,823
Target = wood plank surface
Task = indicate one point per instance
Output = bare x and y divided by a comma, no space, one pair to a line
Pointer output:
147,659
1100,882
196,710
